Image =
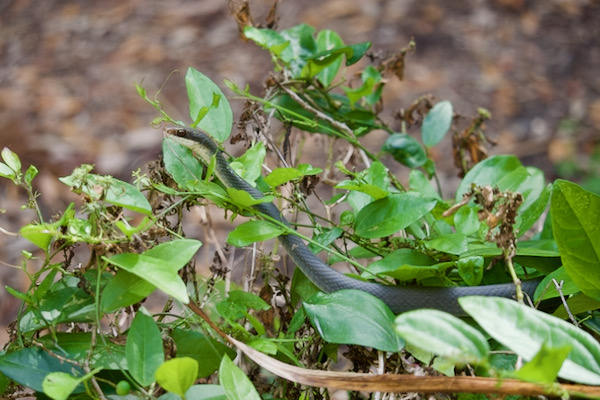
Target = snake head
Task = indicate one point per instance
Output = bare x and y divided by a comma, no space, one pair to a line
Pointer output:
177,131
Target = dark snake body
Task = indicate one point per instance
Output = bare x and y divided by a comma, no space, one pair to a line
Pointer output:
398,298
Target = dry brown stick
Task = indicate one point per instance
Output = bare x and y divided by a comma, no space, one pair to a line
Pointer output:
394,383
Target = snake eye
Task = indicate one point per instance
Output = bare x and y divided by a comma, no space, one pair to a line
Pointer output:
180,132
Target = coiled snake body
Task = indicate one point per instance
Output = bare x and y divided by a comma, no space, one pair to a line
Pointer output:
398,298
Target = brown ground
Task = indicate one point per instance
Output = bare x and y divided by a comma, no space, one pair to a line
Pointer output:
67,71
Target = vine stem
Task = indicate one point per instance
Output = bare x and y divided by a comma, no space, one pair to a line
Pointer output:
508,256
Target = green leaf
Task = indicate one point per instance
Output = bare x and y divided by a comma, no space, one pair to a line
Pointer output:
436,123
545,365
451,243
177,375
471,269
157,272
18,294
325,238
376,175
575,216
524,330
270,40
390,214
11,159
405,149
59,385
418,182
158,266
30,174
29,367
123,290
201,93
181,163
443,335
247,300
235,382
578,303
77,346
353,317
205,392
547,289
6,172
144,349
328,40
39,234
466,220
279,176
253,231
302,45
374,191
404,265
206,351
63,302
371,78
249,165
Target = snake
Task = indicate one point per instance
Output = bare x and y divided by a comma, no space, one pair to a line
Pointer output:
399,298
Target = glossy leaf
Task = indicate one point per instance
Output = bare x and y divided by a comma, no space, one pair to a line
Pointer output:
63,302
545,365
218,118
205,392
575,216
205,350
249,165
29,367
405,149
371,78
325,238
123,290
524,330
144,349
353,317
177,375
39,234
547,289
404,265
451,243
6,171
11,159
158,266
279,176
436,123
253,231
443,335
471,269
270,40
181,163
30,174
234,381
364,190
243,199
328,40
419,183
59,385
78,347
467,221
390,214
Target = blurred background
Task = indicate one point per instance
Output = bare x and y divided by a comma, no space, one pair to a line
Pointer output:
68,68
